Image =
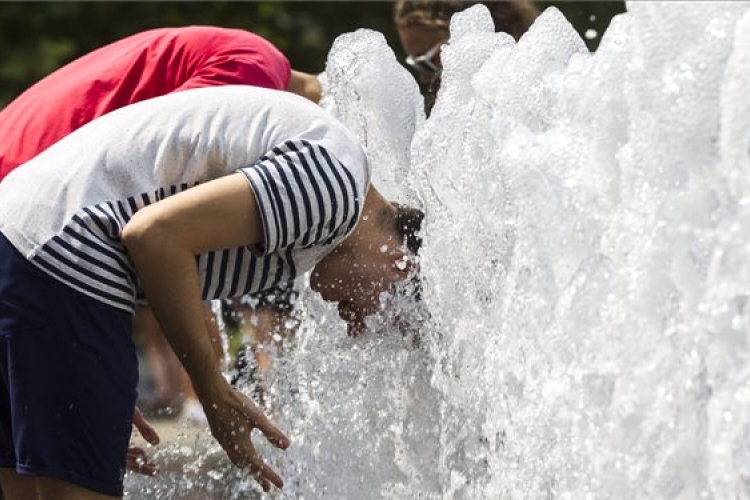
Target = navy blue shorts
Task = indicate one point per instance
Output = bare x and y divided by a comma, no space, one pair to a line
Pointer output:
68,377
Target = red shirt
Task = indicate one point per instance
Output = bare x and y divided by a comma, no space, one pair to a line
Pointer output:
145,65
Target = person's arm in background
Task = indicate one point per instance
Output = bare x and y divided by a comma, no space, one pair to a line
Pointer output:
306,85
168,274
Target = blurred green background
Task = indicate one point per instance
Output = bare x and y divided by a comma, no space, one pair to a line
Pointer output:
38,37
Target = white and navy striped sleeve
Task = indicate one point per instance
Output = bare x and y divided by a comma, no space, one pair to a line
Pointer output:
305,195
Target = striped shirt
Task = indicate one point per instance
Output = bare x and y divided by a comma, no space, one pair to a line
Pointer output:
308,173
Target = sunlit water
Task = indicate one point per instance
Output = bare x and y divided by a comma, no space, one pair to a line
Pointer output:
586,269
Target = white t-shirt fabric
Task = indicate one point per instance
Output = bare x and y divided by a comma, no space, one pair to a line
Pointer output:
65,209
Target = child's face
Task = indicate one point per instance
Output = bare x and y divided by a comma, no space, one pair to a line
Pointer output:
419,41
357,282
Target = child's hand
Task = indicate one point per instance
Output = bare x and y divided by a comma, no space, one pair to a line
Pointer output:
137,459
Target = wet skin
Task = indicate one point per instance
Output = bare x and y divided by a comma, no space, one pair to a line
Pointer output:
357,284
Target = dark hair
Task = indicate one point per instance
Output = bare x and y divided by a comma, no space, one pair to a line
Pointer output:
408,225
510,16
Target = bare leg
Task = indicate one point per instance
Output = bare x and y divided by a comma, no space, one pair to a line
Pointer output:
18,487
162,362
266,328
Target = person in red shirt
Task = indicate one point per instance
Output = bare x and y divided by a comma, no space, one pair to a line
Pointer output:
142,66
145,65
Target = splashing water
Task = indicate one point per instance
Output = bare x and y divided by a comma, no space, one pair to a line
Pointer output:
586,266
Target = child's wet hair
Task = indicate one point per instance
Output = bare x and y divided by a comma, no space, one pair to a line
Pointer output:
408,226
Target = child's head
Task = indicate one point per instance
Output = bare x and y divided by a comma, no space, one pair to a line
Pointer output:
423,26
511,16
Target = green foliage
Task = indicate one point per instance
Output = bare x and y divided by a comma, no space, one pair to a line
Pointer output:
38,37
